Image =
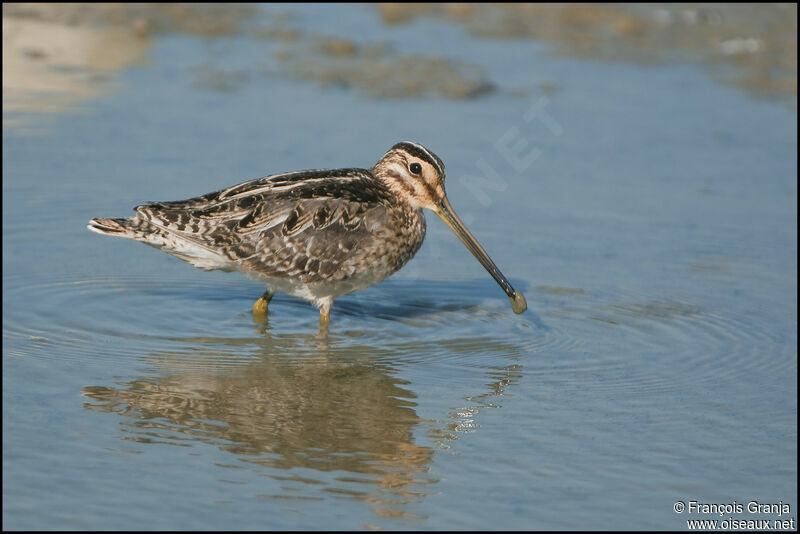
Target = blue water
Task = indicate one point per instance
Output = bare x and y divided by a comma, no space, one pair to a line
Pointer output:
648,213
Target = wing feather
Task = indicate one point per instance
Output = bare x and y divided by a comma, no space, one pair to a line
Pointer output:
315,225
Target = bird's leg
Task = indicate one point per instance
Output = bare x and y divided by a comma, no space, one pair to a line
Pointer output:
261,305
325,310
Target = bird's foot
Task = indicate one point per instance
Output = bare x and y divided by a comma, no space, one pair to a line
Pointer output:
260,307
262,304
325,310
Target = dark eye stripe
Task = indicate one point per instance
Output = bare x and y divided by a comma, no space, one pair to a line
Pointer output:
419,151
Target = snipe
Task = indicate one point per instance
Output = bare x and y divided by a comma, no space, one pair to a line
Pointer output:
314,234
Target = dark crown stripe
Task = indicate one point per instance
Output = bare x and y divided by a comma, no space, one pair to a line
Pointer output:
419,151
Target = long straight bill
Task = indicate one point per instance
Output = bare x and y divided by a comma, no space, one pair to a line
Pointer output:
448,215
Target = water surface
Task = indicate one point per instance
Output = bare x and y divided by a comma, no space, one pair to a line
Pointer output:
647,210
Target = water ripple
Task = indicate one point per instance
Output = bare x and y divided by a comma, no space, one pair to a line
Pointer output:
622,342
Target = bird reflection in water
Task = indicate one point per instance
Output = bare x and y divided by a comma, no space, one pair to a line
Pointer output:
293,404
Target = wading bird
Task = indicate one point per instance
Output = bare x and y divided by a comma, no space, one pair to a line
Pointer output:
314,234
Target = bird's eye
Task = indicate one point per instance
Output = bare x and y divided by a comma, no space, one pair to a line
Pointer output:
415,168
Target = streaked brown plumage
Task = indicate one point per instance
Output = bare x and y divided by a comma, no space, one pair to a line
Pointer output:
314,234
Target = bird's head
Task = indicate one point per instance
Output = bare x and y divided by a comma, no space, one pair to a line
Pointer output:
416,175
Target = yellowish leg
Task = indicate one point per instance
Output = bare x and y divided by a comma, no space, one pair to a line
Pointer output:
262,304
325,311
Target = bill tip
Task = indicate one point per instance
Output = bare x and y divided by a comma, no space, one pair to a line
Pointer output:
518,303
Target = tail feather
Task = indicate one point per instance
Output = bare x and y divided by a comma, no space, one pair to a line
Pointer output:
180,246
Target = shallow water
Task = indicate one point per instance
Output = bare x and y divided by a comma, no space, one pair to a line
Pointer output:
647,211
